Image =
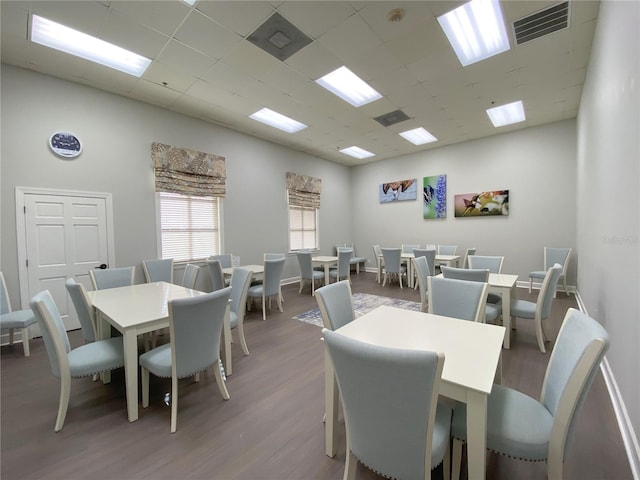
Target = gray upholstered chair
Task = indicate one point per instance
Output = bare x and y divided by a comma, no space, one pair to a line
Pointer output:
392,265
196,325
421,267
447,249
83,308
111,277
343,270
15,319
492,311
240,282
491,263
394,423
307,273
552,256
217,277
190,275
540,310
270,285
336,304
66,363
541,430
158,270
457,298
430,255
409,247
468,253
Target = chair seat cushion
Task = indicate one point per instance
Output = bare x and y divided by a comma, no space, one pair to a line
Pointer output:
537,274
523,309
355,260
255,290
17,319
517,425
318,275
158,360
96,357
492,311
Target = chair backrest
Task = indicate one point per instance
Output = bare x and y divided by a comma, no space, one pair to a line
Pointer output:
553,255
305,264
240,283
430,255
338,246
408,248
225,259
391,258
389,417
468,253
494,264
545,296
421,267
196,324
457,298
53,332
336,304
272,276
273,256
470,274
83,308
217,277
344,261
111,277
576,356
158,270
190,275
377,251
447,249
5,303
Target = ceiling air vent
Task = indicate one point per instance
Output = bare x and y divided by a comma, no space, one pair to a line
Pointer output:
392,118
279,37
541,23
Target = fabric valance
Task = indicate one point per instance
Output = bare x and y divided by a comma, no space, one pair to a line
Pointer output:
188,172
303,191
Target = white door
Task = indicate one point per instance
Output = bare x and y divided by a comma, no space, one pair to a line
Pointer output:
65,236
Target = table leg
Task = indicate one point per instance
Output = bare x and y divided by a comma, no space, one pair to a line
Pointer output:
476,434
379,269
330,405
104,332
226,343
326,273
130,340
506,316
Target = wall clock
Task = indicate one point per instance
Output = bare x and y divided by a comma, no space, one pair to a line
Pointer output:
65,144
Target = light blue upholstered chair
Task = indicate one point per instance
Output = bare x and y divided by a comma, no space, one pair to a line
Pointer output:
66,363
195,325
225,259
430,255
272,256
394,423
355,260
83,308
447,249
158,270
336,304
111,277
421,267
408,247
392,265
491,263
16,319
343,270
522,427
217,277
190,275
468,253
270,285
240,282
377,256
307,273
540,310
492,311
457,298
552,256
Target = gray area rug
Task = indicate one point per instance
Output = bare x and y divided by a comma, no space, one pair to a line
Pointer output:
362,303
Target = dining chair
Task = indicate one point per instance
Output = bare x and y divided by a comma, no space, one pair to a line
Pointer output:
551,257
240,282
226,261
195,326
355,260
343,270
111,277
190,275
430,255
492,311
272,256
540,310
15,319
457,298
217,277
408,248
269,287
447,249
394,423
392,265
335,302
84,309
494,265
66,363
377,256
421,267
468,252
541,430
158,270
307,272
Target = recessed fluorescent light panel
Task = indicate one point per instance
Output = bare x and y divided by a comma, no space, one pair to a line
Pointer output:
57,36
357,152
507,114
349,87
476,30
418,136
190,2
277,120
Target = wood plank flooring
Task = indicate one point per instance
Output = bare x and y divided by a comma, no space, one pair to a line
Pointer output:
270,429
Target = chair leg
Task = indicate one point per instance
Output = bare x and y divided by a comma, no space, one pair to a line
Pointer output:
446,464
540,336
554,465
11,335
566,290
174,403
264,308
530,284
144,380
456,459
222,386
280,300
63,406
243,341
25,341
301,284
351,463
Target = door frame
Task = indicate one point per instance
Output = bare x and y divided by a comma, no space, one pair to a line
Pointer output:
21,232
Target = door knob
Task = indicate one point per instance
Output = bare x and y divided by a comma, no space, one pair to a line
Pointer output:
102,266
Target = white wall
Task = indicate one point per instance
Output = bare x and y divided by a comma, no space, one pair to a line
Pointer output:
537,165
608,193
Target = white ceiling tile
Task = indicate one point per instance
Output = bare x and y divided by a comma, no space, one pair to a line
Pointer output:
350,39
122,31
316,18
181,57
242,17
160,15
314,61
248,59
162,74
202,34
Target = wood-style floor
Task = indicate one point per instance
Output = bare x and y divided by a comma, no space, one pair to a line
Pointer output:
270,429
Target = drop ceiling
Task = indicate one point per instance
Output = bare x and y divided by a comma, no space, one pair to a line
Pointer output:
205,66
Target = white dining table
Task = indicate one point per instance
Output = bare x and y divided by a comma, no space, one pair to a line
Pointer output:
256,270
138,309
472,362
325,261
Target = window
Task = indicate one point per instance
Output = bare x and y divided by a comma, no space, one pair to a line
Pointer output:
189,226
303,228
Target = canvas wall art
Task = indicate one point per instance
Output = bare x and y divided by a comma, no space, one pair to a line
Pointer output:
482,204
434,196
398,191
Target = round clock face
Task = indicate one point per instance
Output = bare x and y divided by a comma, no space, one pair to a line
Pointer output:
65,144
